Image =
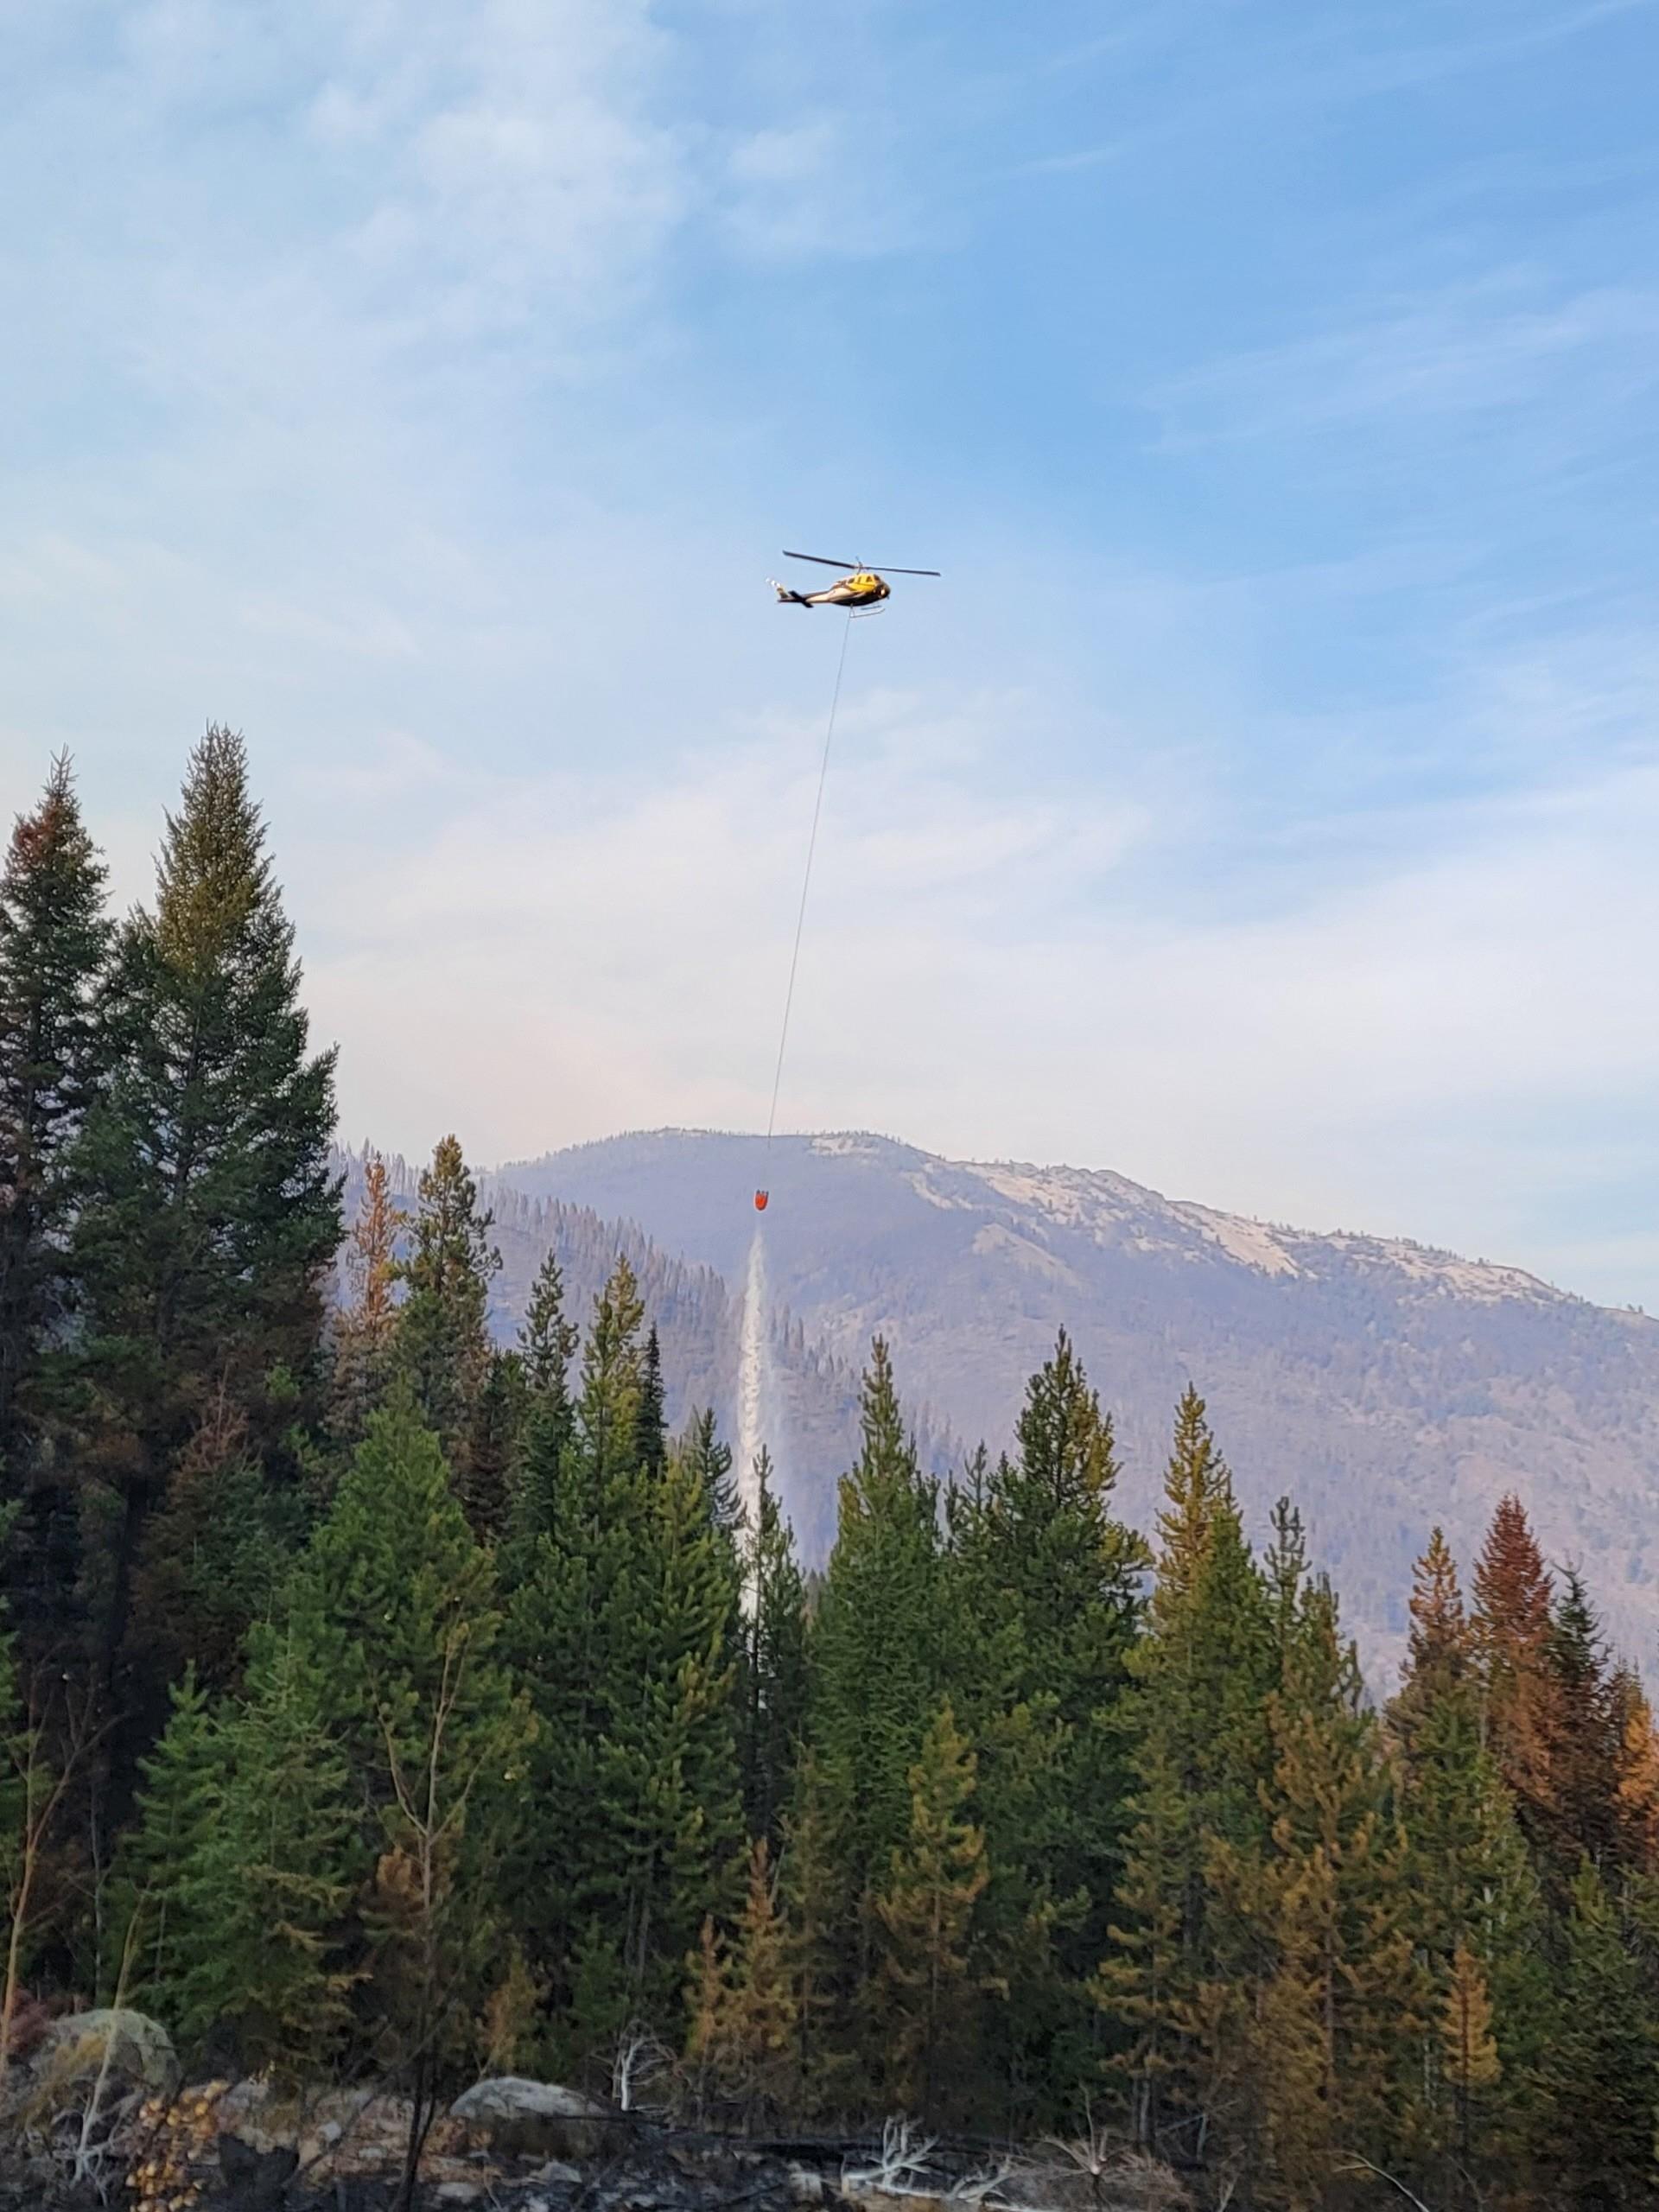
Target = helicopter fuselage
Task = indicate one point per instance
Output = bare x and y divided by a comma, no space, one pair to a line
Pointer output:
863,589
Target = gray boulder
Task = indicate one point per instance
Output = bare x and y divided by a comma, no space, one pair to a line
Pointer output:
533,2119
127,2047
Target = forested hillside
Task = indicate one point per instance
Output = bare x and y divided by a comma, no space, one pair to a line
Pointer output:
385,1702
1388,1385
698,1320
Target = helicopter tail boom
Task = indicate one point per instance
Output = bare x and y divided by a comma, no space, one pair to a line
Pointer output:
786,597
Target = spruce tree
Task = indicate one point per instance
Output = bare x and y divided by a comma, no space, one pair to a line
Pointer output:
741,2046
707,1460
875,1663
489,1459
653,1446
612,1381
1581,1729
214,1556
1597,2084
1201,1756
393,1617
180,1805
55,941
261,1936
443,1339
702,1447
547,1343
1441,1657
1638,1773
623,1627
929,1985
1475,1907
1331,2029
1513,1596
773,1680
365,1327
1046,1579
208,1217
669,1811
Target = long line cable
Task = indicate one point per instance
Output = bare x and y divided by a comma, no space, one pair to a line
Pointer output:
806,881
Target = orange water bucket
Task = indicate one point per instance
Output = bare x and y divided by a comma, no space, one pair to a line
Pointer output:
760,1197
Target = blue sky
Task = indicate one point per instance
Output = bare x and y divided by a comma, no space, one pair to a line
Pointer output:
1265,804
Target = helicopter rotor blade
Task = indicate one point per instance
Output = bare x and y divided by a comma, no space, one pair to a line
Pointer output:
820,560
907,572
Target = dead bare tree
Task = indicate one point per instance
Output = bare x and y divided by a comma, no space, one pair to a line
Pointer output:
642,2061
37,1785
898,2169
1360,2165
414,1887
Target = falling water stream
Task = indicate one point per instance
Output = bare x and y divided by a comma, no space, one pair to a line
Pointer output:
753,1376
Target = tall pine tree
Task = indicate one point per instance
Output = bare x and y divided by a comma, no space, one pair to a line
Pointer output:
54,942
1046,1579
1513,1596
366,1326
209,1216
1200,1759
1475,1907
443,1348
875,1669
772,1679
929,1982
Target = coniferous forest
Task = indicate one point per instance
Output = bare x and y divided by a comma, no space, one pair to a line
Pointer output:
380,1703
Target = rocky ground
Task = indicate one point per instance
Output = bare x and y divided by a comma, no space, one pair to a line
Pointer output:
97,2114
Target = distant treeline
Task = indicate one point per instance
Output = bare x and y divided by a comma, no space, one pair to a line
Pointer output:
380,1701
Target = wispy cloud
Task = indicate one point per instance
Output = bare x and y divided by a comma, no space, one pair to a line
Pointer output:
1495,348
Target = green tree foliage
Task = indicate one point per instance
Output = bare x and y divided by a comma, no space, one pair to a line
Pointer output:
53,945
742,2042
773,1680
1582,1735
1476,1908
208,1217
443,1345
214,1556
1058,1573
180,1806
929,1984
1326,1998
623,1630
1593,2112
1200,1759
263,1905
877,1665
547,1343
1513,1596
344,1819
366,1326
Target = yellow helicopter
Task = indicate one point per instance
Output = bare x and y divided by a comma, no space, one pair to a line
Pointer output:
859,589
